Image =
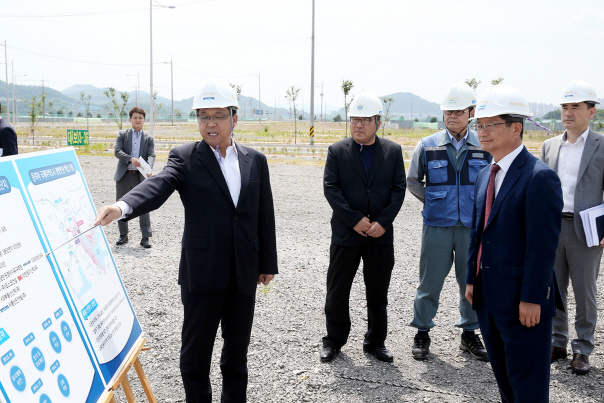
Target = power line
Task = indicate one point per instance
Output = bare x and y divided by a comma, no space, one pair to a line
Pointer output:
85,13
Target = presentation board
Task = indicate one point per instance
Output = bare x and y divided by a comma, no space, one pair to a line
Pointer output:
66,322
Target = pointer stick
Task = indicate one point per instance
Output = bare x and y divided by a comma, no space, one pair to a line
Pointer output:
75,237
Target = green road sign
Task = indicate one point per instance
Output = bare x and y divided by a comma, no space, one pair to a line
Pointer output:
77,137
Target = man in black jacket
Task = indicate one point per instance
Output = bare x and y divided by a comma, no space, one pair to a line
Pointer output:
364,184
228,244
8,138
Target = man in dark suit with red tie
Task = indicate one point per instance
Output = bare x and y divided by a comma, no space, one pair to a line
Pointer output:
515,226
228,244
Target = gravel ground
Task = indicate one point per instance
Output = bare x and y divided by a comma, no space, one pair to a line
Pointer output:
284,352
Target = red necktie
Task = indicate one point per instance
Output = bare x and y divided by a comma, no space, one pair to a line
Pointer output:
487,209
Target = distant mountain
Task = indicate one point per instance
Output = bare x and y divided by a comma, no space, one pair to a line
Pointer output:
406,103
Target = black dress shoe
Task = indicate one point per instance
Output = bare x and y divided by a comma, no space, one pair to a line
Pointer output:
580,364
328,353
122,240
145,242
558,353
380,353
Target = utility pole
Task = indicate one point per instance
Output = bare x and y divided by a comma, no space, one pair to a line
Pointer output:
171,87
259,103
151,64
7,103
312,80
321,101
12,69
43,104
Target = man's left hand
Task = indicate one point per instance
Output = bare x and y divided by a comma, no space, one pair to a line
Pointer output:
265,278
149,175
530,314
376,230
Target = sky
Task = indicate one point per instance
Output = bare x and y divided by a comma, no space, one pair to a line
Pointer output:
382,46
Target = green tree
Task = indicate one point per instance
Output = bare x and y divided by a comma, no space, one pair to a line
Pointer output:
388,101
497,81
43,104
192,114
35,108
292,94
473,83
337,118
70,114
237,88
555,114
598,120
158,107
98,115
433,119
60,112
85,102
346,87
118,107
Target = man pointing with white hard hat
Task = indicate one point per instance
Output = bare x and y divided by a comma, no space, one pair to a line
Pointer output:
578,158
228,244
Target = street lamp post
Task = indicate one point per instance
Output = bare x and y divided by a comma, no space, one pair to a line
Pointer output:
171,86
312,79
15,84
138,81
151,57
7,103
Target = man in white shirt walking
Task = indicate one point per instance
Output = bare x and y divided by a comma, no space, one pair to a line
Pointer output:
578,158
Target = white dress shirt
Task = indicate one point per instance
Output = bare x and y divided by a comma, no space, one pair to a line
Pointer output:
505,164
569,159
229,166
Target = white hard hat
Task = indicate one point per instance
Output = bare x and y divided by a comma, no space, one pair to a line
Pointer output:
365,105
579,91
215,93
501,99
458,97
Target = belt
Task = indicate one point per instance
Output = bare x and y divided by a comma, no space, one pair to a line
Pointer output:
568,216
131,171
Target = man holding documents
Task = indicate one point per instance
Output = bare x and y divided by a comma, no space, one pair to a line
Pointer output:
135,150
578,158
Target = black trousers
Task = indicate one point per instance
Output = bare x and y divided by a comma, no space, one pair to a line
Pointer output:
378,262
202,313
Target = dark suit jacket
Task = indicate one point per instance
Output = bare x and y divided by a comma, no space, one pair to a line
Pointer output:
352,196
8,139
219,240
520,240
589,191
123,148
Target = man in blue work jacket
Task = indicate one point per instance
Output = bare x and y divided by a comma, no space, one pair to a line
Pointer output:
442,175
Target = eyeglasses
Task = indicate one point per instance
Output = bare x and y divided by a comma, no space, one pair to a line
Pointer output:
364,121
487,127
456,113
215,119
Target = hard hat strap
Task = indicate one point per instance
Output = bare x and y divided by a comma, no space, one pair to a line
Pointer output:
536,124
456,134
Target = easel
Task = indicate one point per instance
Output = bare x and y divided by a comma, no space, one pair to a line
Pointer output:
122,378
